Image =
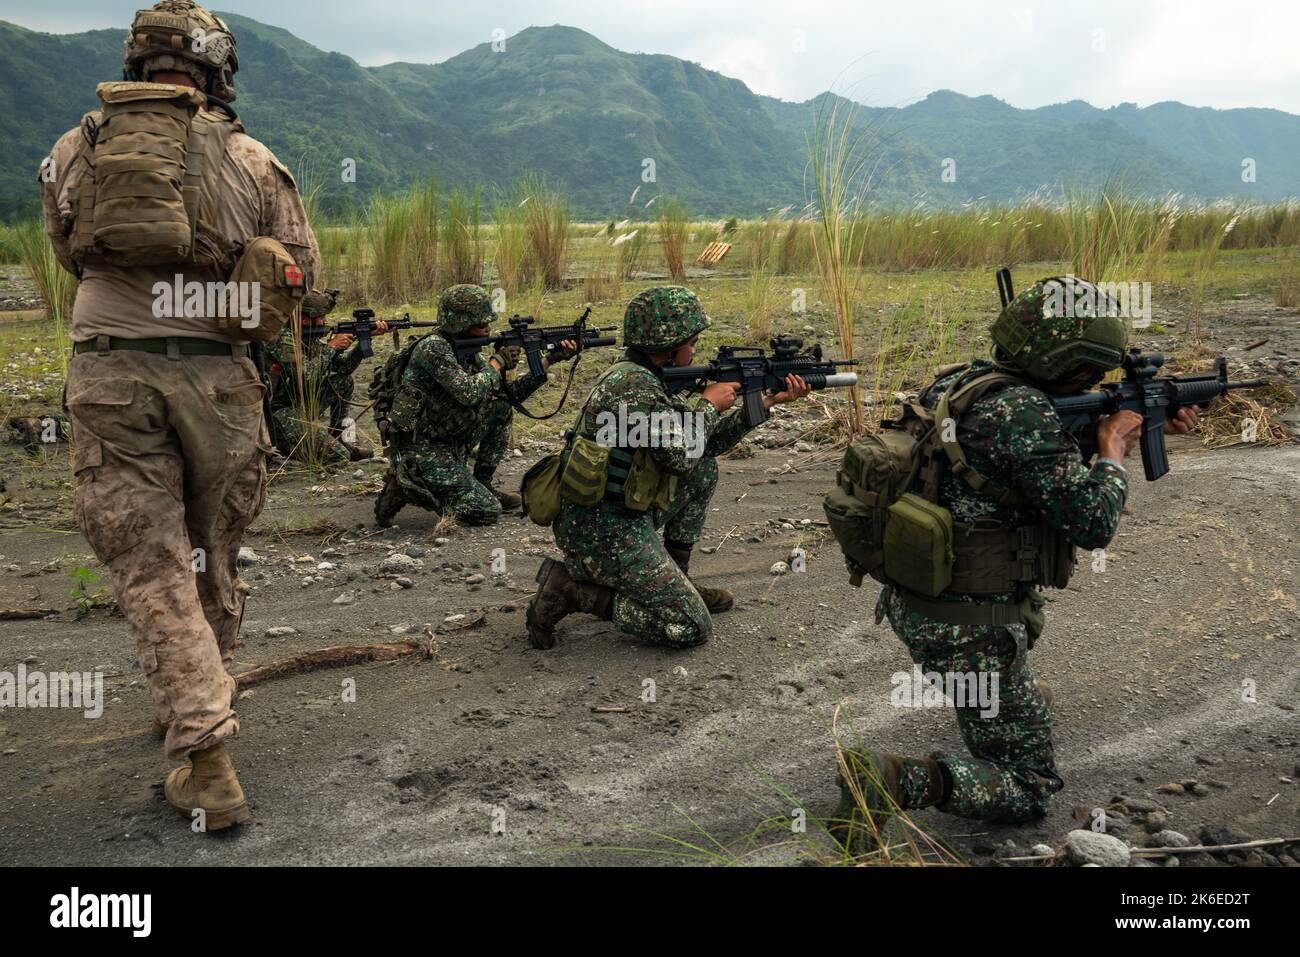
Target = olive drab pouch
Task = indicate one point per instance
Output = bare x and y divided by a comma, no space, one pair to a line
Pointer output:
396,410
150,190
646,487
540,489
918,545
267,277
583,479
876,469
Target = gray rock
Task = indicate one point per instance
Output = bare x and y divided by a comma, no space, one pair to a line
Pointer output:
1170,839
347,598
475,580
248,557
779,568
399,564
281,631
1088,847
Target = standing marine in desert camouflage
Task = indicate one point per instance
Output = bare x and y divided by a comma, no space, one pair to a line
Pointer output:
166,404
1025,483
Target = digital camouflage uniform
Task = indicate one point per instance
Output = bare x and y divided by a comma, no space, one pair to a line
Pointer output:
621,567
1013,436
328,385
621,549
456,406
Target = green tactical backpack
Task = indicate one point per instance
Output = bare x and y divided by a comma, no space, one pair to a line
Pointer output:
885,527
383,393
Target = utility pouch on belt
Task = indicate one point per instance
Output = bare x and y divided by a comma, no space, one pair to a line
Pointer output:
646,487
584,476
918,545
540,489
280,286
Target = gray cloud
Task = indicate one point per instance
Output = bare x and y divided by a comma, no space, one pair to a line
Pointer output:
1201,52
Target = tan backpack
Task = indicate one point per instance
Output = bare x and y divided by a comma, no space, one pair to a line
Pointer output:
150,191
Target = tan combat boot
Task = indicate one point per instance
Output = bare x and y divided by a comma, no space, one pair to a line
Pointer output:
878,776
210,783
715,599
558,595
509,500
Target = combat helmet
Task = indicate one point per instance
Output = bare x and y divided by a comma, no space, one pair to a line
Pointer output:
462,306
180,35
662,318
1056,327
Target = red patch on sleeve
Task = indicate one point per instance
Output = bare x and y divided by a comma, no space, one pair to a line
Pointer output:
292,276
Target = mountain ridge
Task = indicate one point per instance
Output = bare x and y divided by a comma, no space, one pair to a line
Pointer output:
562,102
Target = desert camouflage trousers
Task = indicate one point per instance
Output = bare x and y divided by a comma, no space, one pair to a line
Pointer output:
170,462
437,475
623,550
1013,772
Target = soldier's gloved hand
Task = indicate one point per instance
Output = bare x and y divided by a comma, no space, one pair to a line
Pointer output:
565,351
508,357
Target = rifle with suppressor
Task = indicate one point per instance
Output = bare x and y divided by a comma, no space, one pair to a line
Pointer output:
362,326
537,344
1154,398
758,373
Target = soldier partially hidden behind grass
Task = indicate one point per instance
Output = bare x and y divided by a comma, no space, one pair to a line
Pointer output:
615,565
326,385
1025,473
448,410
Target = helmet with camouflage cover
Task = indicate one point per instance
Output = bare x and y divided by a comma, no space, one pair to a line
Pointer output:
179,35
463,306
1058,326
662,318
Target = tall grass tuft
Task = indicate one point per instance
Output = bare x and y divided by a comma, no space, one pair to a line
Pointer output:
673,225
631,252
511,239
462,243
402,233
56,285
841,163
548,228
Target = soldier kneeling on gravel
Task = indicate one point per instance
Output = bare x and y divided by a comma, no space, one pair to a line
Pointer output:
615,564
1023,500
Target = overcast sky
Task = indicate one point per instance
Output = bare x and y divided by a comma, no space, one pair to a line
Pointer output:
1200,52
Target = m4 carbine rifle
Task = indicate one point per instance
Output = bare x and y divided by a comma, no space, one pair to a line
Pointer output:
537,344
758,373
362,326
1154,398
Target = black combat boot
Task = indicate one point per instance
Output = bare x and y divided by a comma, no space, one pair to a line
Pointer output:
559,595
879,777
715,599
390,501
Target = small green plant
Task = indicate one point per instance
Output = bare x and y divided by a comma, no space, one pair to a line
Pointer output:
83,580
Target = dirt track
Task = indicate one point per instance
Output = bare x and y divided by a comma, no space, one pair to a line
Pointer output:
1147,661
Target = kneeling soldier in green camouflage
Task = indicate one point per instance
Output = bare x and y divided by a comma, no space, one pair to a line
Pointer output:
445,408
615,565
327,367
1021,501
